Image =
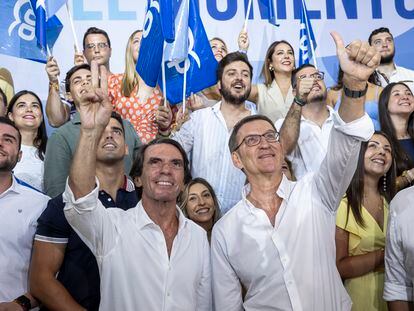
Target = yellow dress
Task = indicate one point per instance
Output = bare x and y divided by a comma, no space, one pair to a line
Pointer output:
365,291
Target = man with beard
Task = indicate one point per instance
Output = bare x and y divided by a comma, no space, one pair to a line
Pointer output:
305,130
205,136
20,206
383,41
58,250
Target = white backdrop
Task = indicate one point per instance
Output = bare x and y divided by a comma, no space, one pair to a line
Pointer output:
224,18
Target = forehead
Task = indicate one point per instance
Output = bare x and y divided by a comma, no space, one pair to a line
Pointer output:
400,87
283,46
380,138
138,35
217,42
255,127
81,73
9,130
113,123
381,35
27,98
163,151
197,188
95,37
237,65
306,71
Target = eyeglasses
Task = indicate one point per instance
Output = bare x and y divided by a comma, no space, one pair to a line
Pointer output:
100,45
253,140
318,76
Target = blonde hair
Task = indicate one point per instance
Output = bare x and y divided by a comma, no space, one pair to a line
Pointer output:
131,77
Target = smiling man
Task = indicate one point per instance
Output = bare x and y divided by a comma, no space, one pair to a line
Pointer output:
278,242
150,257
62,143
212,127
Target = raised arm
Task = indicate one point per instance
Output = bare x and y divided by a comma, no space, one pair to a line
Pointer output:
57,112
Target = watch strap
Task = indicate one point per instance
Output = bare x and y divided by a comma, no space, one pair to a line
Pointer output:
355,94
299,101
24,302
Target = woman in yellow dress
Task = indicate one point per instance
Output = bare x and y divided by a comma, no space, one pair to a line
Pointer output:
361,224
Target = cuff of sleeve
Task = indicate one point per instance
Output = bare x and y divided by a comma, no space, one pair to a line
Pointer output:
83,204
394,292
361,129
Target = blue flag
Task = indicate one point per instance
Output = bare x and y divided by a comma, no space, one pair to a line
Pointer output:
152,44
305,37
52,6
18,33
200,64
271,10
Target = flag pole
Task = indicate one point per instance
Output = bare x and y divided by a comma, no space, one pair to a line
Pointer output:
305,11
184,84
249,7
72,26
164,83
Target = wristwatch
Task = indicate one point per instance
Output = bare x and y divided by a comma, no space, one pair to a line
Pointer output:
24,302
355,94
299,101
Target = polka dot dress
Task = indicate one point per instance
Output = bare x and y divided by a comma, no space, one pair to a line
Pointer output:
141,115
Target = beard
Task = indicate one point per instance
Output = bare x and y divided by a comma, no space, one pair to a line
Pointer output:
236,100
388,59
320,97
8,164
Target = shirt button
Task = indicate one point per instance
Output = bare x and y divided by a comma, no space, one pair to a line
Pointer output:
109,200
168,294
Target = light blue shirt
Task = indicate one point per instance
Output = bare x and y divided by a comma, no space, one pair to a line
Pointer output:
205,139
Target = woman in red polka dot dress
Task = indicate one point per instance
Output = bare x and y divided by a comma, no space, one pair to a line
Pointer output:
131,98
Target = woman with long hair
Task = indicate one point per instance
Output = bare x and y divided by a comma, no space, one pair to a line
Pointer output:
396,106
199,203
131,98
362,221
26,111
274,97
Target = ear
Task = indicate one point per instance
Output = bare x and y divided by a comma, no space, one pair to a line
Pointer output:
19,157
235,157
126,149
10,116
219,85
68,96
137,182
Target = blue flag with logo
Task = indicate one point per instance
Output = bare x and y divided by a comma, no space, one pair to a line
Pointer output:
152,44
305,37
270,5
200,64
18,30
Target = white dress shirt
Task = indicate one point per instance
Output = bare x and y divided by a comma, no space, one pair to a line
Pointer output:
400,74
290,266
312,145
205,139
20,206
399,250
131,252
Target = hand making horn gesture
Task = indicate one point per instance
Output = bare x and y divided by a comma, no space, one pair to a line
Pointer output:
95,107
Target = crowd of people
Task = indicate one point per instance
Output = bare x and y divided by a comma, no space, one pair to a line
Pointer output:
282,195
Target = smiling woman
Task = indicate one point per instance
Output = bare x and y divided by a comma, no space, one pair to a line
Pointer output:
26,111
199,203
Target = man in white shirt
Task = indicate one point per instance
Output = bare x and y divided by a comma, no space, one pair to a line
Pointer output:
306,129
205,136
383,41
278,242
399,253
150,257
20,206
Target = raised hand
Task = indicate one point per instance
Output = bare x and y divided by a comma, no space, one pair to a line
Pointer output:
78,59
304,87
243,40
358,60
95,107
52,69
164,117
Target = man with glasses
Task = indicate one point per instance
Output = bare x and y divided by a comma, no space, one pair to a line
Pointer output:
275,250
305,130
383,41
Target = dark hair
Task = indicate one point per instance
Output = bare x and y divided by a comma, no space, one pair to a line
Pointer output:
231,58
183,197
266,73
5,120
95,30
115,115
70,73
40,141
355,191
3,95
236,128
294,72
377,31
137,166
404,162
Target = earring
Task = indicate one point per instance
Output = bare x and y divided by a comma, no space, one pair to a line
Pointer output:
271,68
384,183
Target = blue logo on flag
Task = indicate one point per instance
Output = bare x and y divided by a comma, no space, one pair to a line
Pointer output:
305,37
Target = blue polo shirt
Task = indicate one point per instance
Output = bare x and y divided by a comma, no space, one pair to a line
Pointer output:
79,272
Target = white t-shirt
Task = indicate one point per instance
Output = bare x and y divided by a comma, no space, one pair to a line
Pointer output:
30,168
